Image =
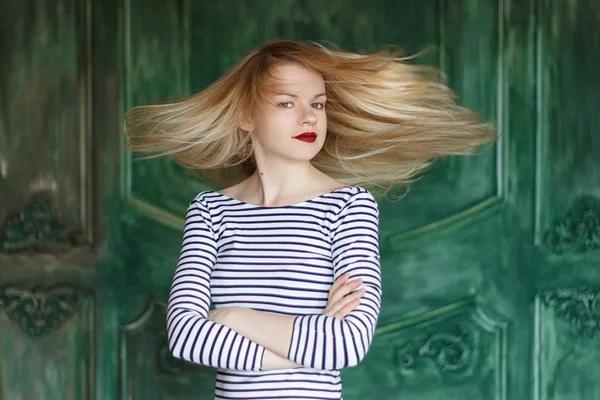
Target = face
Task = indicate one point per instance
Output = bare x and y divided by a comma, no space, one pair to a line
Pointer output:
291,123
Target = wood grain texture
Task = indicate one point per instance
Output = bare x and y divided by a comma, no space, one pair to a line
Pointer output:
474,218
497,299
566,345
44,129
145,353
47,342
568,136
47,324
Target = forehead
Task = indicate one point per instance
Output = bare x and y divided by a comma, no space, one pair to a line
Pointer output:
295,77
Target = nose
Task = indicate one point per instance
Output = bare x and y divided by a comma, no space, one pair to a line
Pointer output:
308,116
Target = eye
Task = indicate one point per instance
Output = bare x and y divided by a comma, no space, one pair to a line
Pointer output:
285,105
319,106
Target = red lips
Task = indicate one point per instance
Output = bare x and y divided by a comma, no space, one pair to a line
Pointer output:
309,137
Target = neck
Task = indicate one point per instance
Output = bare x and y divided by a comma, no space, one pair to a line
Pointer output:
272,185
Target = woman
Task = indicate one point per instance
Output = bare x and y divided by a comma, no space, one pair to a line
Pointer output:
289,253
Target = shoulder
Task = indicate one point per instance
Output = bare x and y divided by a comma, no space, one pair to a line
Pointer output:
356,195
358,211
202,208
201,203
357,201
204,198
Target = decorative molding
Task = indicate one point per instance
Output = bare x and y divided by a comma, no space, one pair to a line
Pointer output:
578,231
542,121
581,307
37,228
166,217
157,214
152,322
495,203
40,311
166,364
448,338
484,209
449,350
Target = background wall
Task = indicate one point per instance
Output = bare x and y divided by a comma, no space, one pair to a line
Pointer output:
491,264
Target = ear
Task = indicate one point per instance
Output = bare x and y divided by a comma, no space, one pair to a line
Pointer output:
244,123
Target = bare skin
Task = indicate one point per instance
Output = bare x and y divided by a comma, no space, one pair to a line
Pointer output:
284,176
343,298
250,191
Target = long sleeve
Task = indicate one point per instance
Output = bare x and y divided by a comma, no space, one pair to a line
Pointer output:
331,343
192,336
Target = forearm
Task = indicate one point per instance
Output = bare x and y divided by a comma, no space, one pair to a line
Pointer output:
272,361
198,340
274,332
313,341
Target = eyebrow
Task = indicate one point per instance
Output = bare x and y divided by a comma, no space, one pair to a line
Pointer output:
296,96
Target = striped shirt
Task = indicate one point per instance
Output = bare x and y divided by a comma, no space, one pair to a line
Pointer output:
280,260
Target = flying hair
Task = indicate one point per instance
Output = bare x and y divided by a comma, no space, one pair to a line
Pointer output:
388,119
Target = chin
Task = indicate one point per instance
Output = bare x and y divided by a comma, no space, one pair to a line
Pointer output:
303,155
305,152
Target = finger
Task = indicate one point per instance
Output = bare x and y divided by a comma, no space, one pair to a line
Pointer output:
354,284
338,283
327,312
336,307
347,309
343,291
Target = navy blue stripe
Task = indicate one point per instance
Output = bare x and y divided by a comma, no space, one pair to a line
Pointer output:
280,260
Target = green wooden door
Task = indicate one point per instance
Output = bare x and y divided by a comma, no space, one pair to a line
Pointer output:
491,266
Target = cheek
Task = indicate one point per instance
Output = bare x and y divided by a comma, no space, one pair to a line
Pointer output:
323,125
268,131
261,126
322,115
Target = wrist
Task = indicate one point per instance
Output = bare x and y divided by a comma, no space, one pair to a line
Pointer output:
221,315
233,318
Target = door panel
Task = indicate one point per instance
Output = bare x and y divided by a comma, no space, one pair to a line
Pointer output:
145,353
567,204
48,225
490,263
47,343
457,250
447,218
446,353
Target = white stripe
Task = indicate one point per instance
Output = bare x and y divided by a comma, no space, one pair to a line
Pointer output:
281,260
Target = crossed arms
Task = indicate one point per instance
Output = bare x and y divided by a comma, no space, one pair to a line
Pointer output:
245,339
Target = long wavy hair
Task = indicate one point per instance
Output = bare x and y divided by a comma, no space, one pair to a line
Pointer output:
388,119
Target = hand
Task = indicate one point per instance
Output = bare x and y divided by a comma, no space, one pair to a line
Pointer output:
341,301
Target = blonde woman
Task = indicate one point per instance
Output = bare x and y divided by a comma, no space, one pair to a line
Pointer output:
288,253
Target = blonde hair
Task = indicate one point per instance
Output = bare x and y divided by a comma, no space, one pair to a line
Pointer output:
388,120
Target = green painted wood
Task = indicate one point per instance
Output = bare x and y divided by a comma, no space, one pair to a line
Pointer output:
567,199
47,342
39,105
47,309
490,263
458,251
